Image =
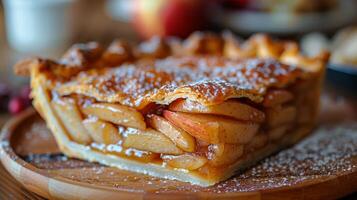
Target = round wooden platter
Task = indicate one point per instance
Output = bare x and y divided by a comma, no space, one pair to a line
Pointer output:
323,166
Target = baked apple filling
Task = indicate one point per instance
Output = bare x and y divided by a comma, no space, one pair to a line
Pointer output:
182,135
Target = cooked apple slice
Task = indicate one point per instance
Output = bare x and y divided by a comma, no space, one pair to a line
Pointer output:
213,129
150,140
202,143
230,108
142,156
117,114
67,110
101,131
278,132
224,154
280,115
277,97
180,137
258,141
185,161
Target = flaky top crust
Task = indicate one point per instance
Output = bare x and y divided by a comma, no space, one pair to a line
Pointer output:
206,68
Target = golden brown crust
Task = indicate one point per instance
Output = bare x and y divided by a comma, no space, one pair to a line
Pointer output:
22,68
208,80
206,68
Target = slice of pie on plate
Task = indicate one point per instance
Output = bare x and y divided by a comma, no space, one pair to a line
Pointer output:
197,110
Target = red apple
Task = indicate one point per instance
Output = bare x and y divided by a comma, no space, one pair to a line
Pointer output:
168,17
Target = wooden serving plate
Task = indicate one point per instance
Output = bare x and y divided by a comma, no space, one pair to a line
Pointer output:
323,166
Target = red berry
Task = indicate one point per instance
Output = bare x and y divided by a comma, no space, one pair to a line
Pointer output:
16,105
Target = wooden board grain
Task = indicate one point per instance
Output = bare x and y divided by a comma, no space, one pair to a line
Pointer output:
11,189
323,166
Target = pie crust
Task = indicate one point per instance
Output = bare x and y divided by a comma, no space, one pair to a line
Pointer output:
196,110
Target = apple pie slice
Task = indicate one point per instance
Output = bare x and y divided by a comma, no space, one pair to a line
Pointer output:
197,110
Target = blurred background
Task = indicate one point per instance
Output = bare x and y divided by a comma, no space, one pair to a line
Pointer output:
49,27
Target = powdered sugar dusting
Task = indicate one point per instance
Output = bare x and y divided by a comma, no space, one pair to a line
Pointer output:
325,153
211,79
